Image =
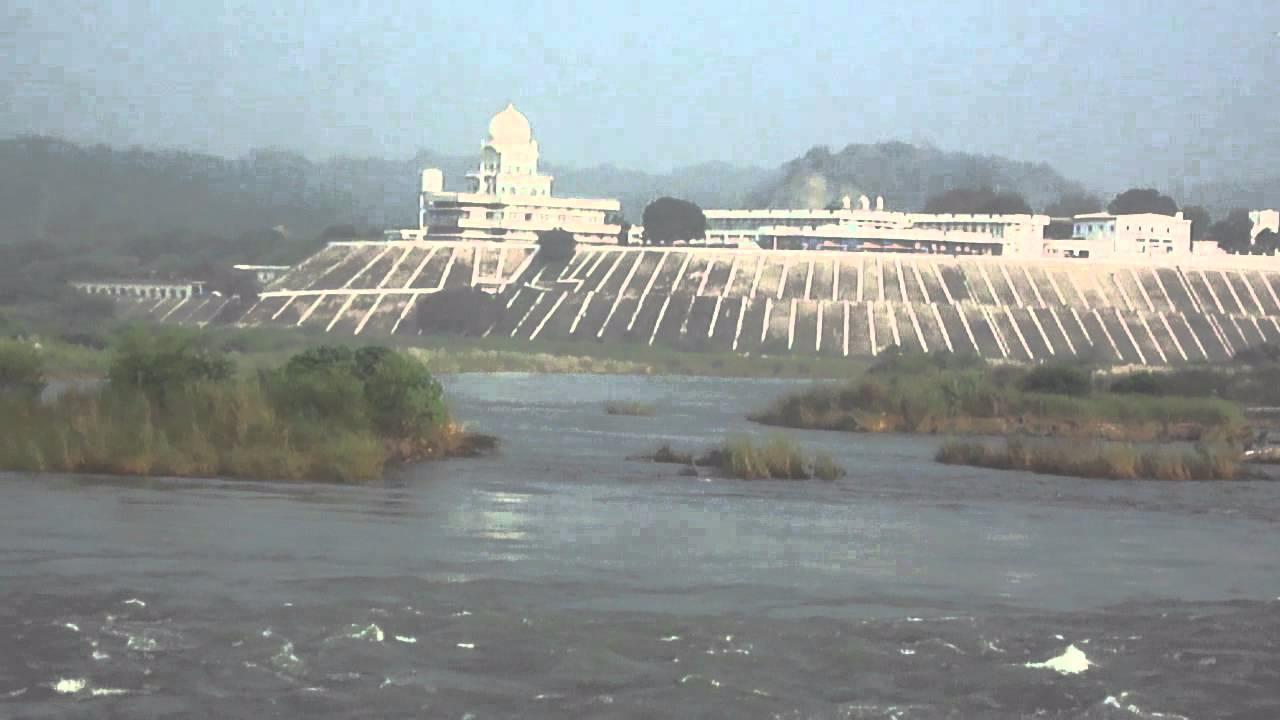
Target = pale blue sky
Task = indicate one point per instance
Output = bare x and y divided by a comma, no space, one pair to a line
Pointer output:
1110,92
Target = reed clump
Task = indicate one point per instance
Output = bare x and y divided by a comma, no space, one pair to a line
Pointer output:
1099,461
629,407
776,458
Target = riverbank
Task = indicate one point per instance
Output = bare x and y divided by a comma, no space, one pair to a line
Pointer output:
268,347
172,406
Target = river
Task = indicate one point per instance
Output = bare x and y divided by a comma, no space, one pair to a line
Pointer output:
558,580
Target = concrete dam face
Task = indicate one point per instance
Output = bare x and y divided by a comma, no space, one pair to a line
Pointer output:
771,302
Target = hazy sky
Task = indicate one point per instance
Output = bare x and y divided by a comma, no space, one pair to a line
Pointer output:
1110,92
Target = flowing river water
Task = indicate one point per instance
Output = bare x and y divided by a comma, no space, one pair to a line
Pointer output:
557,580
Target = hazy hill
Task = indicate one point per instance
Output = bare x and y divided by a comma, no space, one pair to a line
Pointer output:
710,185
53,188
906,175
50,187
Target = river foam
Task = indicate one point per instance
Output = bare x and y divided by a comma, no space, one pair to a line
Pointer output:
1072,661
68,686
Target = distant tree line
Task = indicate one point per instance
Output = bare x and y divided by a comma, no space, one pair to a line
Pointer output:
980,201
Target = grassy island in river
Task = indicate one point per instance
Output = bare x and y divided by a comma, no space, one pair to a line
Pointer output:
950,394
1103,461
743,458
171,406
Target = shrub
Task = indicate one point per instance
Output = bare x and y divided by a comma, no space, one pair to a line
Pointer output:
338,385
325,397
21,369
404,399
159,360
1058,380
915,363
1138,383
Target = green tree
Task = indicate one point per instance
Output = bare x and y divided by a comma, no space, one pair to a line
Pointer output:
1232,232
160,360
405,401
1267,242
1142,200
668,219
1200,221
979,201
346,387
21,369
339,232
319,395
1058,380
1072,204
556,245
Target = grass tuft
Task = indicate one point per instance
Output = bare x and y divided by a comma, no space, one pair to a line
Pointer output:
629,407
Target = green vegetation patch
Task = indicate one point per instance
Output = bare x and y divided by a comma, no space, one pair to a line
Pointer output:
776,458
629,407
1100,461
174,406
948,394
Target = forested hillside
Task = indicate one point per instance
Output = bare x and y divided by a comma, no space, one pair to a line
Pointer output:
906,175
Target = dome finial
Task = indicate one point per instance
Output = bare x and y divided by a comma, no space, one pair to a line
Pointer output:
510,127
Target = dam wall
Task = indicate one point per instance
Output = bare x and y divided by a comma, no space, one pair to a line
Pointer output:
776,302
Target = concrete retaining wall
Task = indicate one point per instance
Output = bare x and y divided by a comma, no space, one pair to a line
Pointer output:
774,302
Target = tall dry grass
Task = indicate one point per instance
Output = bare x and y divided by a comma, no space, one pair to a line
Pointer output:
218,429
776,458
1099,461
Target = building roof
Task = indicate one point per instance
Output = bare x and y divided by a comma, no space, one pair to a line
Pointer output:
510,127
1110,216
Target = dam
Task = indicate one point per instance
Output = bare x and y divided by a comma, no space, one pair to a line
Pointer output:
770,302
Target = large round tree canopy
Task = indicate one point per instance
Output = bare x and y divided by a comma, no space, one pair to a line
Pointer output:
668,219
1142,200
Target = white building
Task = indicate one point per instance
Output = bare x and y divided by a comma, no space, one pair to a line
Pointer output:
1103,235
1264,220
264,274
865,228
141,288
507,198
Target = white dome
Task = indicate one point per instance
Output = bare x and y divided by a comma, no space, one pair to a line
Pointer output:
510,127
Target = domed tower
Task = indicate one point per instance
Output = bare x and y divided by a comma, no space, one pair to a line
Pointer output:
509,158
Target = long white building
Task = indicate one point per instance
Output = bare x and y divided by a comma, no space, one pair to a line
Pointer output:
878,229
507,198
